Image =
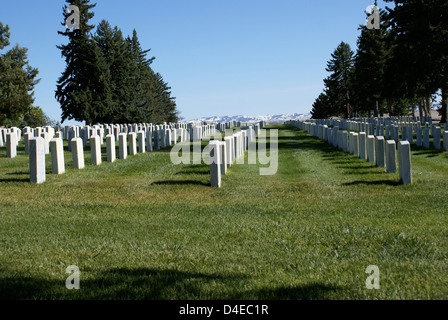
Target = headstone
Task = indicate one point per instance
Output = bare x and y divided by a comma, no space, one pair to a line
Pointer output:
363,145
132,136
223,157
379,151
371,149
163,138
70,135
391,157
228,142
77,153
95,149
387,132
335,136
404,162
156,140
47,139
419,137
344,137
410,135
169,139
110,147
26,138
37,160
149,141
436,135
426,138
11,145
141,142
122,146
356,144
215,163
2,140
57,156
445,140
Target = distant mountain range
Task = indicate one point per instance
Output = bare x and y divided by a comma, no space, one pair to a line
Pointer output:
277,118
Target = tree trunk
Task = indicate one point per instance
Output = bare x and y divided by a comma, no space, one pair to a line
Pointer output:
389,107
375,112
428,106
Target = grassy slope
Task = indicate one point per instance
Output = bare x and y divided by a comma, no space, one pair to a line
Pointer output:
143,228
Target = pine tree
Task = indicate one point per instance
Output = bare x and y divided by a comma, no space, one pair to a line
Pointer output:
321,107
337,85
420,30
369,68
17,81
83,89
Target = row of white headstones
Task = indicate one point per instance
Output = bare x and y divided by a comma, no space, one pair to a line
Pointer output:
375,149
44,140
225,153
390,128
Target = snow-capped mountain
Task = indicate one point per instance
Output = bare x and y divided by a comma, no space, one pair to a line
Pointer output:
278,118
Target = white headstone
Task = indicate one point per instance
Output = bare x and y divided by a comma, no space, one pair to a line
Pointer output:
132,136
37,160
11,145
215,163
141,142
404,162
371,148
77,153
379,151
57,156
110,147
149,140
95,149
123,146
445,140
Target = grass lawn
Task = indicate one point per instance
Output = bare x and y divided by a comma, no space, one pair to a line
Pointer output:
143,228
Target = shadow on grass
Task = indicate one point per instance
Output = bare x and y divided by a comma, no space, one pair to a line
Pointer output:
152,284
202,170
18,173
315,291
15,180
181,182
420,151
378,182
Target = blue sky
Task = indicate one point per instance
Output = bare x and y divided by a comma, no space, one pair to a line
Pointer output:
249,57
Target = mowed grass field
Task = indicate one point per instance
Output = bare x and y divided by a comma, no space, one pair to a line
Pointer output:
143,228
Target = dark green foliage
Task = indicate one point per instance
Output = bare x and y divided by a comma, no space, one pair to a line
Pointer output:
402,64
17,81
108,78
368,76
337,85
83,89
321,107
36,117
420,31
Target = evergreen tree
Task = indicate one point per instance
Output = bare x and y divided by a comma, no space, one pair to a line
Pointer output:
420,30
338,83
17,81
369,68
142,82
108,78
321,108
83,89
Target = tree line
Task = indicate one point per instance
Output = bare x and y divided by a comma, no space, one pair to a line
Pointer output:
397,68
107,78
17,81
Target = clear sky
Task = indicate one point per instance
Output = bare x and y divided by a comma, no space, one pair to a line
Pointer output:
220,57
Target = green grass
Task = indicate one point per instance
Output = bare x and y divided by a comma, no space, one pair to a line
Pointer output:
143,228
